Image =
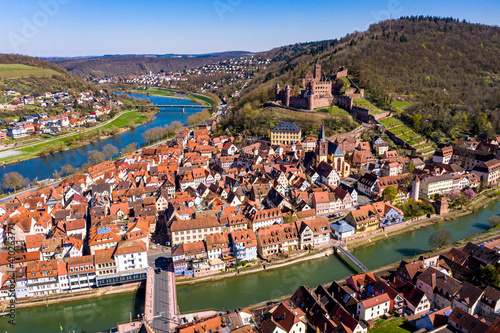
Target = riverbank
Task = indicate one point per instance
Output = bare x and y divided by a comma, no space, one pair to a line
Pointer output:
386,268
306,259
121,122
367,240
194,97
70,297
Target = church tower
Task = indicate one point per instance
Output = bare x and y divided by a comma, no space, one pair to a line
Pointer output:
322,147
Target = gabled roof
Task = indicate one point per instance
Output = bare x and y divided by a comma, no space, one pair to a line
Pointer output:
194,224
374,301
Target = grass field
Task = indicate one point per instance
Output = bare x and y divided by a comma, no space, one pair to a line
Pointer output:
408,136
332,110
126,118
393,325
207,100
153,91
417,143
401,106
310,122
390,122
12,71
361,102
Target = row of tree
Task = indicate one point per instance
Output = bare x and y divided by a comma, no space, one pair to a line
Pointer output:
161,132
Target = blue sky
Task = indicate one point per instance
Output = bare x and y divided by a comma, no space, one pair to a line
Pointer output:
82,28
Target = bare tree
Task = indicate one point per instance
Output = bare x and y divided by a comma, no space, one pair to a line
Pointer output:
14,180
176,126
494,220
110,151
198,118
129,149
96,157
440,237
67,169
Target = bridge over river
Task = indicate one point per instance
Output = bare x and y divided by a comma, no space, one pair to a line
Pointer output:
174,106
351,257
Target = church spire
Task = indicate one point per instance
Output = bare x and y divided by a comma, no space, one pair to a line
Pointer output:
322,137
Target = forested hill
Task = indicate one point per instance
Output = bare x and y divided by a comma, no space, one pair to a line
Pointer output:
30,75
448,69
124,65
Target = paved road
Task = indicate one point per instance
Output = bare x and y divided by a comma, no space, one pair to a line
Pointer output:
165,304
43,183
363,200
69,134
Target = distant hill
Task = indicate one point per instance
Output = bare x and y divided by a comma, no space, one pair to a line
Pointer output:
118,65
447,71
29,75
14,71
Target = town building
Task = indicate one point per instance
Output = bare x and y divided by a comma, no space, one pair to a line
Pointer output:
285,133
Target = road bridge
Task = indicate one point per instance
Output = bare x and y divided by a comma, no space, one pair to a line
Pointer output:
174,106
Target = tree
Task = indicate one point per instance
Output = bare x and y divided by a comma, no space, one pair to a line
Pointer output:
14,180
96,157
440,238
129,149
470,194
416,121
176,126
454,195
410,167
110,151
289,218
462,200
198,118
269,76
494,220
67,169
489,275
389,193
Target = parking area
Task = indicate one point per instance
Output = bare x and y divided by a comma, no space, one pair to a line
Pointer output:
363,200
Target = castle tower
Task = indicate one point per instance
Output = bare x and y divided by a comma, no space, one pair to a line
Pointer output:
415,189
287,95
277,92
310,100
317,73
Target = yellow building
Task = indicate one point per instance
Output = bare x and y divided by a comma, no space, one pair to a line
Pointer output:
286,133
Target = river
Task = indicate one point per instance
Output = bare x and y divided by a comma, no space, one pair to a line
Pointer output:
44,167
103,313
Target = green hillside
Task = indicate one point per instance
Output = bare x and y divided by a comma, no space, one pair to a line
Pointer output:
29,75
441,69
14,71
